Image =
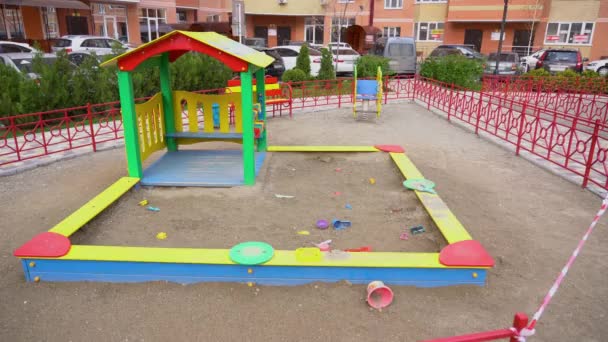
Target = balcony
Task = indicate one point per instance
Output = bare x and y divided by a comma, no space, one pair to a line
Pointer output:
285,7
491,10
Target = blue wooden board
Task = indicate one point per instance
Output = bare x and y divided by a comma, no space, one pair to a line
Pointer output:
211,168
116,271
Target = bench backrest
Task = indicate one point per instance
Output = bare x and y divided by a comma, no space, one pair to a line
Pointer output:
271,85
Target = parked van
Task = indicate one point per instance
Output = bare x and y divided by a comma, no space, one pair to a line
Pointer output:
401,52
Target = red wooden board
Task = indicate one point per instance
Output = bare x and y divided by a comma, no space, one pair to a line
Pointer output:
46,245
465,253
390,148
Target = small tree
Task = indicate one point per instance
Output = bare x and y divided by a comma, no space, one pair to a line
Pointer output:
327,71
303,60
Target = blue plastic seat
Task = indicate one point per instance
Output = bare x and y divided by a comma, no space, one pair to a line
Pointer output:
367,90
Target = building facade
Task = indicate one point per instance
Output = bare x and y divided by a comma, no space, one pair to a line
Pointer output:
530,24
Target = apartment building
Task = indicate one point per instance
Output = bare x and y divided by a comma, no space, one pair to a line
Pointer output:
135,21
530,25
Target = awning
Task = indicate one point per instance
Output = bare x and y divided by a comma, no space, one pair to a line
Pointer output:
73,4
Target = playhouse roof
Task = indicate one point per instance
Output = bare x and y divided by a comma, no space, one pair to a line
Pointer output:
234,54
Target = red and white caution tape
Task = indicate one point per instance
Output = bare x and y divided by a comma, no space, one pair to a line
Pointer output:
529,330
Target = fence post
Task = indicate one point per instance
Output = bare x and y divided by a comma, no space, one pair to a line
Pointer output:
478,110
339,93
90,116
591,152
385,89
450,103
520,132
520,321
14,129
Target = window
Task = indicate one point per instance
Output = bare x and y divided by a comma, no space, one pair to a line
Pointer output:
182,17
393,4
11,22
429,31
338,26
213,18
398,49
313,30
151,22
95,43
286,52
569,33
391,32
10,48
49,22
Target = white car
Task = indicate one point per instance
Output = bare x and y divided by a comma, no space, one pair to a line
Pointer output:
346,59
338,45
100,45
22,61
289,53
528,63
13,47
599,66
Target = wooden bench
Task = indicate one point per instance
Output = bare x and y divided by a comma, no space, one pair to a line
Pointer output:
277,94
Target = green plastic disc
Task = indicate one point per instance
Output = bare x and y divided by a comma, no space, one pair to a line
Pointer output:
251,253
420,184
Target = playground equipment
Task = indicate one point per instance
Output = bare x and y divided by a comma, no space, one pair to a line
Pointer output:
159,123
173,118
367,91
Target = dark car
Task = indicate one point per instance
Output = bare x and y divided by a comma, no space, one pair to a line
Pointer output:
557,60
277,68
456,49
508,64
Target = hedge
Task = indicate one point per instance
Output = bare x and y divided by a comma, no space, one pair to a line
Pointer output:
61,85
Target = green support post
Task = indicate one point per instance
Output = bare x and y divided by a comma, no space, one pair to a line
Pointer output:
248,143
261,90
129,121
165,89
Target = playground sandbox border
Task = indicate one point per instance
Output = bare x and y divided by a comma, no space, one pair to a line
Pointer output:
50,256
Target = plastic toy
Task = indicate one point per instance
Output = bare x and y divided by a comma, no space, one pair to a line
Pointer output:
340,224
379,295
322,224
422,184
367,91
251,253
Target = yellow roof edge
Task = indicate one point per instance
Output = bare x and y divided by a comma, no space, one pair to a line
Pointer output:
256,58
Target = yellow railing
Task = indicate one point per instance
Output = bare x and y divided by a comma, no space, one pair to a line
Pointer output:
187,108
151,126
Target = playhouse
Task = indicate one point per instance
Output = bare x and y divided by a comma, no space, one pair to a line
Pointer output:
173,118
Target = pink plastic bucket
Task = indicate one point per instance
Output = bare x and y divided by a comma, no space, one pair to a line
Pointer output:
379,295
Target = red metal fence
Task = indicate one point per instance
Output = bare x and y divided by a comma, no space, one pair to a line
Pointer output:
564,122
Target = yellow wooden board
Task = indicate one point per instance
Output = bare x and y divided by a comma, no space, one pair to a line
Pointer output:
213,39
322,149
95,206
448,224
221,256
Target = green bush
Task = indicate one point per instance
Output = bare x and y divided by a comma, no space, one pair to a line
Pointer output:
367,66
538,73
590,74
326,72
10,83
454,69
303,60
294,75
194,71
62,85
